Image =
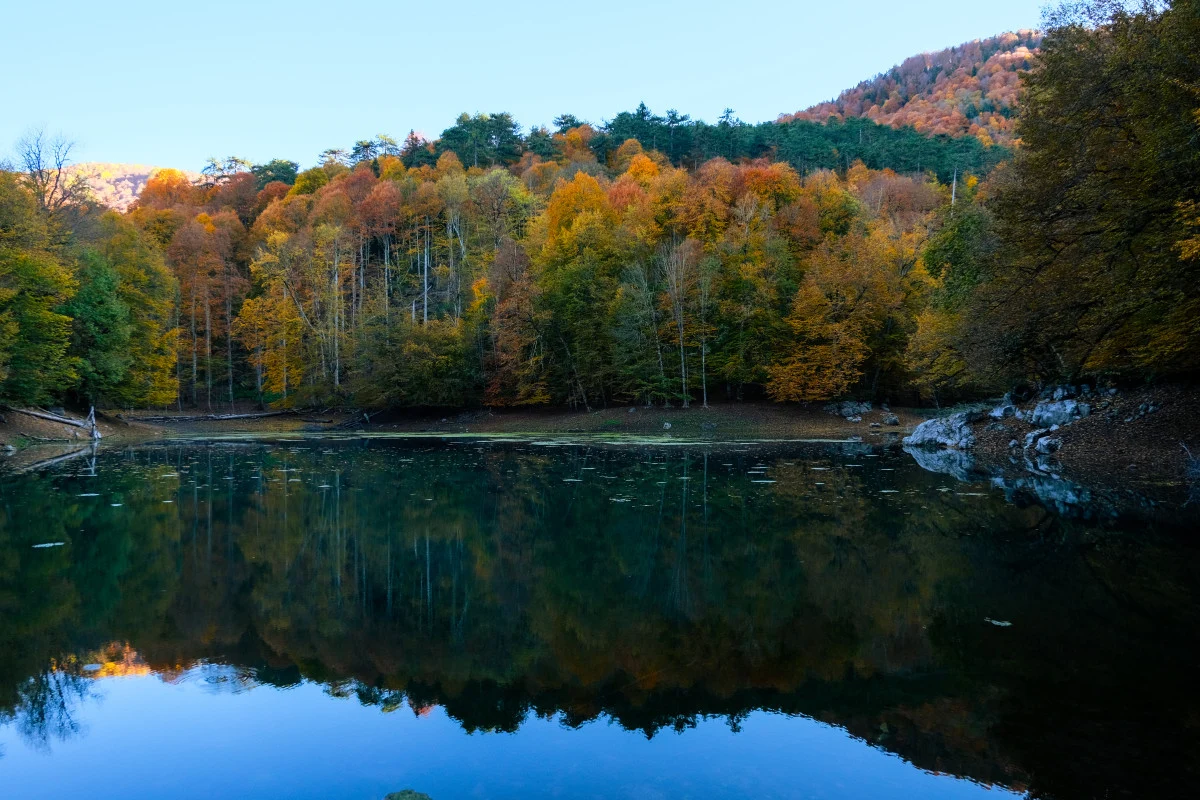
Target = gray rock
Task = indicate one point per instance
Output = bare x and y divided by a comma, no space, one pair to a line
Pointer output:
847,408
1032,436
1058,412
855,418
891,419
1005,409
1048,444
1014,443
953,431
876,425
666,426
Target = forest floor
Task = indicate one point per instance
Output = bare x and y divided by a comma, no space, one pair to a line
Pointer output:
1122,444
727,421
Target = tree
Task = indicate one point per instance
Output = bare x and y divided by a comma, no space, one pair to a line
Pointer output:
827,354
34,335
1090,279
45,162
678,262
101,330
277,169
146,289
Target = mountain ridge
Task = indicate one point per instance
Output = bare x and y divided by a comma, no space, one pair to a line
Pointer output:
117,185
971,89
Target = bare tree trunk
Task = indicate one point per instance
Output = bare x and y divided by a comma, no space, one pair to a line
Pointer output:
208,353
229,335
195,353
425,277
387,281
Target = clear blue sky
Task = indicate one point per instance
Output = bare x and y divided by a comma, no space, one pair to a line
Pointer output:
172,83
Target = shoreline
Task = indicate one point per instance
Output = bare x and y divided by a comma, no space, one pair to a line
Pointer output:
1114,450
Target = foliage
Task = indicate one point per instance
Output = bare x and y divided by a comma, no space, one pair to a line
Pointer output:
656,259
969,89
33,284
1094,273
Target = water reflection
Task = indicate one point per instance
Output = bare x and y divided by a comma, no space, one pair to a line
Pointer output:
995,640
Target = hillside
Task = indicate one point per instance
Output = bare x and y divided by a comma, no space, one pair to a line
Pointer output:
117,185
969,89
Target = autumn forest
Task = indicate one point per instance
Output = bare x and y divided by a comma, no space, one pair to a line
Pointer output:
851,251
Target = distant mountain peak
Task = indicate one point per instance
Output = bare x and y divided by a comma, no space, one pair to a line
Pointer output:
970,89
118,185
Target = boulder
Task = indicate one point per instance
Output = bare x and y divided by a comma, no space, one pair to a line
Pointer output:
1048,444
847,408
953,431
1033,436
1005,409
1057,412
891,419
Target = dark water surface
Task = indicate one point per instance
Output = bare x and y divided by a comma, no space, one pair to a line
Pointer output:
346,618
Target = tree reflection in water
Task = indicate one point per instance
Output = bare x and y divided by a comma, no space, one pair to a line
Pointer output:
653,586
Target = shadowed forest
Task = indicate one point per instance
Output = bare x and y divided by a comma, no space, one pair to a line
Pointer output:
651,259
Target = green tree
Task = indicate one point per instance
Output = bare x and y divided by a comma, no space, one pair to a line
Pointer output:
100,329
34,284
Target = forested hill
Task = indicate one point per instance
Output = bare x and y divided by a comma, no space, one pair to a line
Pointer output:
968,89
497,140
912,118
651,259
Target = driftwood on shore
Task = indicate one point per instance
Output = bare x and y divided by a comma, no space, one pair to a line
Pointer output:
213,417
89,423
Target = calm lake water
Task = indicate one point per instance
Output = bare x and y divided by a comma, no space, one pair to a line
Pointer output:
325,618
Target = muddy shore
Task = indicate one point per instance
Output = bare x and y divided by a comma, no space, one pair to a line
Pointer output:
1137,440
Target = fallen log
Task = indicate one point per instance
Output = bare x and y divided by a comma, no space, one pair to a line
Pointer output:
87,424
46,415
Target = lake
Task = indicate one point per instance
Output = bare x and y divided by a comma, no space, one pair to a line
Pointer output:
349,617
